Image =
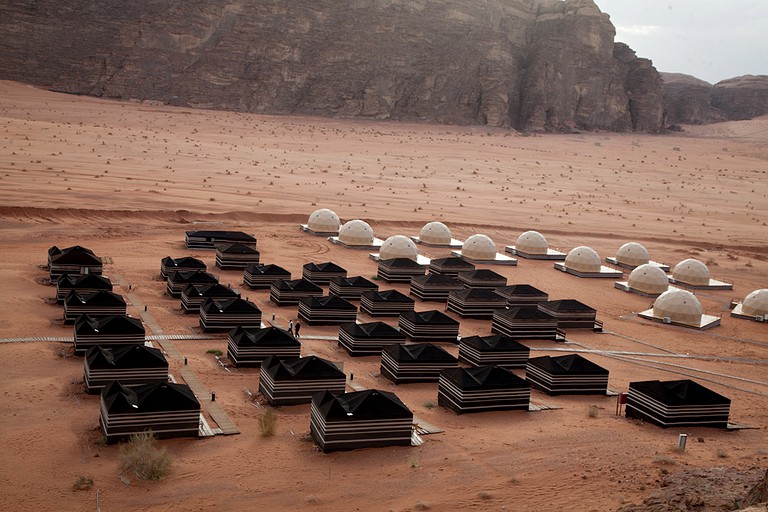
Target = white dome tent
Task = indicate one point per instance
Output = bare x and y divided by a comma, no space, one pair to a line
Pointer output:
436,234
583,261
692,273
322,222
533,245
398,246
633,254
680,307
356,234
753,307
482,249
647,280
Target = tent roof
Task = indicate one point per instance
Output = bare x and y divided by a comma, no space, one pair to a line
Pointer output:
565,305
73,255
387,295
422,352
521,289
400,263
113,324
164,396
357,281
494,342
328,302
230,235
435,279
268,336
432,316
371,329
328,266
367,405
184,261
452,262
135,356
192,276
483,377
568,364
231,306
478,294
527,313
302,285
305,368
91,281
237,248
209,290
679,392
268,270
97,298
483,274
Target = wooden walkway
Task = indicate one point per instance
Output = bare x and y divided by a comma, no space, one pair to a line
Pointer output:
221,418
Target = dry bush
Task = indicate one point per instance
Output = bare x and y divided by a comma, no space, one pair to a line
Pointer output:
592,411
82,483
141,457
268,423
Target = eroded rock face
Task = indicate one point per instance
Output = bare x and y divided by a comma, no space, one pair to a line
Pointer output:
527,64
742,97
690,100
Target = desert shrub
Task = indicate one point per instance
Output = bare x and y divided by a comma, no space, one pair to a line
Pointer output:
592,411
82,483
268,423
143,458
429,404
215,352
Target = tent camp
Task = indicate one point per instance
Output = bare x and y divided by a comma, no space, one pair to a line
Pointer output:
72,260
83,283
100,303
193,295
179,280
169,265
360,419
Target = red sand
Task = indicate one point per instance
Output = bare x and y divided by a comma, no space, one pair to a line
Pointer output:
128,179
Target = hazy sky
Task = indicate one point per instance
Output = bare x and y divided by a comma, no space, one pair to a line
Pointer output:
709,39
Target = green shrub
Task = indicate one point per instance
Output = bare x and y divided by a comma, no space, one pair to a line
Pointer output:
215,352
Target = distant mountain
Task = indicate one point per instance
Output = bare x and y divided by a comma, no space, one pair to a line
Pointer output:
528,64
688,100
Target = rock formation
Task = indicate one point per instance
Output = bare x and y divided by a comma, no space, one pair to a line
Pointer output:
690,100
528,64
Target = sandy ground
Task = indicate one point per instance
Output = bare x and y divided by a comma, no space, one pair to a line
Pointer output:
128,179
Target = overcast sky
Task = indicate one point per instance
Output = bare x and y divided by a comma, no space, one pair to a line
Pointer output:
709,39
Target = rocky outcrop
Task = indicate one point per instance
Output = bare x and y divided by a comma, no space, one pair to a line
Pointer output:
692,101
743,97
528,64
689,100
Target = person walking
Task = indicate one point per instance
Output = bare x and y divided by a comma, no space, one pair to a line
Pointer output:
296,328
290,327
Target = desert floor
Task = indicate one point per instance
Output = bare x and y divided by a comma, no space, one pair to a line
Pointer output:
127,179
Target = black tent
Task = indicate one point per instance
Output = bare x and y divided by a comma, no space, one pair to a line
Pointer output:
476,302
179,280
250,346
132,366
167,409
450,266
416,362
294,381
526,323
482,278
399,270
100,303
290,293
484,388
209,239
385,303
72,260
169,265
368,338
328,310
236,256
350,288
522,295
361,419
322,273
570,313
193,295
83,283
108,332
259,277
430,325
496,350
434,287
677,403
569,374
225,314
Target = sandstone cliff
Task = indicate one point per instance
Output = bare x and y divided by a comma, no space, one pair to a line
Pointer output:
690,100
528,64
